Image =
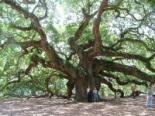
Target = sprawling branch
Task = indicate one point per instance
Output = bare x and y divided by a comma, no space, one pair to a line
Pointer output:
138,41
35,21
19,76
22,28
27,44
54,60
78,33
41,3
96,26
118,80
23,45
103,80
36,26
101,65
122,55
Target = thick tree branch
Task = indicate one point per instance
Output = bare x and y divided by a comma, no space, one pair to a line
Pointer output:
138,41
103,80
41,3
23,45
55,60
18,76
34,19
22,28
118,80
101,65
96,27
122,55
78,33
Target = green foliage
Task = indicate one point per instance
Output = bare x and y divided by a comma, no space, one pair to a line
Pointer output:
11,60
152,2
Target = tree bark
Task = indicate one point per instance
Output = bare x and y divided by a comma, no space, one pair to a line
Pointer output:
70,86
81,86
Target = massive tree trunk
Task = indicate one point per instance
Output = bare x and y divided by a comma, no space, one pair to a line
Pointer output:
81,86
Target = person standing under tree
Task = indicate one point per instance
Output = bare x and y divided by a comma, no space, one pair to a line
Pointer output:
95,94
90,95
149,99
133,90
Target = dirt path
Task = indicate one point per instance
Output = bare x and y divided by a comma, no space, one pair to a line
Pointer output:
61,107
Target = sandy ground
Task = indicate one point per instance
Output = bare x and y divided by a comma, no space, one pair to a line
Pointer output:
61,107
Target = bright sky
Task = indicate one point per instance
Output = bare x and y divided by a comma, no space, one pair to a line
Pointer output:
64,15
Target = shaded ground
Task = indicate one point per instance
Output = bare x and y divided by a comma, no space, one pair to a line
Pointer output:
61,107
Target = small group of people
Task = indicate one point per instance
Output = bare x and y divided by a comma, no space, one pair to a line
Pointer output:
149,96
92,95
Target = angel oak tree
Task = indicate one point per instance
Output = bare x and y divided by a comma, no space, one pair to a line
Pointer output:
112,41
